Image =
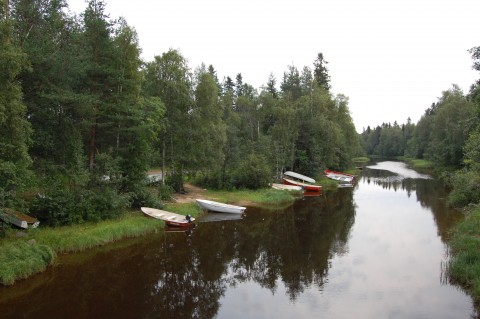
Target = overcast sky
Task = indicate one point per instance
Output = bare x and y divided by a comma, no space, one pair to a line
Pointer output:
392,58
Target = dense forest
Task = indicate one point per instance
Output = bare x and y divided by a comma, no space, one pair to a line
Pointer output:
83,118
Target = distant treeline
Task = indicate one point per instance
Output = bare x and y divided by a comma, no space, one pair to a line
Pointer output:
82,118
448,135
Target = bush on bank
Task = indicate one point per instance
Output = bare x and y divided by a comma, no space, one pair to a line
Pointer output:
464,265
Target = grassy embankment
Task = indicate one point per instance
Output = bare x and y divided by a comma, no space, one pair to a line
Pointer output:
21,257
465,261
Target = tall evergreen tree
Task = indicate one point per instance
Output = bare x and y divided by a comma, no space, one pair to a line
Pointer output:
320,72
99,84
14,129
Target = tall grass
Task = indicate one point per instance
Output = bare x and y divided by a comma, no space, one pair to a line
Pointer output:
421,164
20,259
80,237
464,266
191,209
262,197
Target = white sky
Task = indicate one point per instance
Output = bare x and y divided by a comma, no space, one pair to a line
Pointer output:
392,58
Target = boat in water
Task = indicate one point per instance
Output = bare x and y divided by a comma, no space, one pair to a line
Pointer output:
220,207
170,219
339,176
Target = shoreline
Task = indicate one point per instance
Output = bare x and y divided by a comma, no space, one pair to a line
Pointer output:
26,253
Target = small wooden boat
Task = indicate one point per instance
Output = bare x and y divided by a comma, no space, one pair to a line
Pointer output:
18,219
286,187
339,176
219,207
170,219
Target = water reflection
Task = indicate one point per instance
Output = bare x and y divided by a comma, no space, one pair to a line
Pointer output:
363,252
430,193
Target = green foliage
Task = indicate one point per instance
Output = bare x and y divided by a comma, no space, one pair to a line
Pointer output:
62,204
252,173
14,129
100,116
466,184
175,181
165,192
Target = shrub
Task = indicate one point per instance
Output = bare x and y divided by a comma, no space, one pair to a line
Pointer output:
253,173
465,188
175,181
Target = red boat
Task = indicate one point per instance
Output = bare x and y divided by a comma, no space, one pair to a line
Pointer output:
306,187
299,180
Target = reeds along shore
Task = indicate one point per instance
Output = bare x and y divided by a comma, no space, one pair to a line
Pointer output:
464,265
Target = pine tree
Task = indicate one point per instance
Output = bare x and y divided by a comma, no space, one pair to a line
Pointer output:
14,129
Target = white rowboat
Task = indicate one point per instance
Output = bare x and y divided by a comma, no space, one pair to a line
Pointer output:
286,187
300,176
220,207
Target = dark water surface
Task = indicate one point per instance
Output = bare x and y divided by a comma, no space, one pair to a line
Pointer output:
373,251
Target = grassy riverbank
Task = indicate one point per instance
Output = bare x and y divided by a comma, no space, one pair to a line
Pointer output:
36,249
465,245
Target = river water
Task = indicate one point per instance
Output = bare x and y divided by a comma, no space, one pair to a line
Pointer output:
376,250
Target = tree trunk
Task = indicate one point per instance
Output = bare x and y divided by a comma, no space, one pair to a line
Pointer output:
92,146
163,162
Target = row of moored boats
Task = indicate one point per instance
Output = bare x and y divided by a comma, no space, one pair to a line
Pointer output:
291,181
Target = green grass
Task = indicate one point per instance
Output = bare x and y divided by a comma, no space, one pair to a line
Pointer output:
420,164
361,160
19,259
191,209
80,237
263,197
464,266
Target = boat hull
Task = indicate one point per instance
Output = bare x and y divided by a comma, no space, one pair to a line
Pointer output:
179,224
306,187
170,219
220,207
287,187
299,177
339,176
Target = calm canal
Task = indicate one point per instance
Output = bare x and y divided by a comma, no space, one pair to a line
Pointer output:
373,251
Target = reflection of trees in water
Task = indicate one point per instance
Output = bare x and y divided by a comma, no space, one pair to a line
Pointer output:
388,180
293,245
174,275
431,194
